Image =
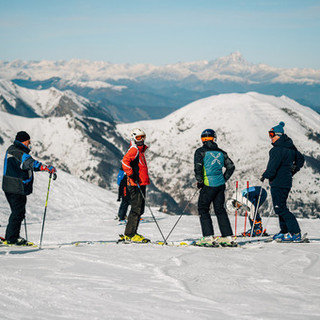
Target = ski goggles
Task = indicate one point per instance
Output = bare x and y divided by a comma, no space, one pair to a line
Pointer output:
203,139
272,134
139,138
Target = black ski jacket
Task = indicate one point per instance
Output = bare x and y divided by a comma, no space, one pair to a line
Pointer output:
18,169
284,161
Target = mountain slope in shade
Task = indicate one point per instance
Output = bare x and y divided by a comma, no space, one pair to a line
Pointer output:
241,122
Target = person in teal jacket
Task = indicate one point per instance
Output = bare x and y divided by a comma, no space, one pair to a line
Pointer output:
209,164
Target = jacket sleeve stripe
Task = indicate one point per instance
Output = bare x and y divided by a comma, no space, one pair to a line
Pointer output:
5,164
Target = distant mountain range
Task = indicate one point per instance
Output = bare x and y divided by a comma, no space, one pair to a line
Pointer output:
144,91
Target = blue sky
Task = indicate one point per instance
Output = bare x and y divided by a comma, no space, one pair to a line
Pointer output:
282,33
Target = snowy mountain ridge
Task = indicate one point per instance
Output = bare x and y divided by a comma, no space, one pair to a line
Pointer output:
242,122
92,148
44,103
232,68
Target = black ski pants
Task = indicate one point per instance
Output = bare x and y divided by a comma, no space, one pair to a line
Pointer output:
137,209
125,202
17,204
216,196
287,221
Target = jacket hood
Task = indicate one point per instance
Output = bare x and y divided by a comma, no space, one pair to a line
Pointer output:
21,146
210,145
284,142
140,148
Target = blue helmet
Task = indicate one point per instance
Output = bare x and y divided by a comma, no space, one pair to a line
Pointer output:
208,134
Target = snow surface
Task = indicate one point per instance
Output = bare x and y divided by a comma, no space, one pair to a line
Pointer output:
116,281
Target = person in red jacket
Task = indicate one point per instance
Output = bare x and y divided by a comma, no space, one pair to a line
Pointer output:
135,166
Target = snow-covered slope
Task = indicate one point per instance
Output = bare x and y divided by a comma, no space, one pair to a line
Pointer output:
86,147
232,68
43,103
242,122
114,281
80,146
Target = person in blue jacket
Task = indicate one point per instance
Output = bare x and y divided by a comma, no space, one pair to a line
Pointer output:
284,162
248,200
209,164
123,196
17,183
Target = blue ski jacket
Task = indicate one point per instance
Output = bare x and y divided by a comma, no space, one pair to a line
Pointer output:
18,169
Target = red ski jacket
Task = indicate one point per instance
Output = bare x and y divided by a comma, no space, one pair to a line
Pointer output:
134,163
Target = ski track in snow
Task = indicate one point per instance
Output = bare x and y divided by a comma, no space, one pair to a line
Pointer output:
117,281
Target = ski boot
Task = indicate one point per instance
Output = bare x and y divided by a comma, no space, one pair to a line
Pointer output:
208,241
257,230
228,241
137,238
19,242
278,236
290,237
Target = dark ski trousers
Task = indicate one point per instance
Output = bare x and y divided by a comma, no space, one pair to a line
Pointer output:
125,202
287,221
17,204
137,209
216,196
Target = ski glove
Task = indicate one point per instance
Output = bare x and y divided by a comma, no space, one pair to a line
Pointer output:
293,169
50,169
200,185
134,177
261,178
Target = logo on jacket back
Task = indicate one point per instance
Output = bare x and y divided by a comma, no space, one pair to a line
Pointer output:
216,158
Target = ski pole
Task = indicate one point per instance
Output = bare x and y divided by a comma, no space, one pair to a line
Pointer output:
45,208
256,212
154,218
265,227
181,215
246,214
25,228
236,212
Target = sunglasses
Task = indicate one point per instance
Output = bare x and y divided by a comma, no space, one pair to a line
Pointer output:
139,138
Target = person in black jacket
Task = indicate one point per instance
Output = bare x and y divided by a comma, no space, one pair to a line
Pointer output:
209,162
17,183
284,161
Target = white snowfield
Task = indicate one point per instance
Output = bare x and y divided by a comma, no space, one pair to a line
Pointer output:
117,281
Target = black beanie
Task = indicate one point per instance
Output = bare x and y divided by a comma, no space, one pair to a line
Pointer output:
22,136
